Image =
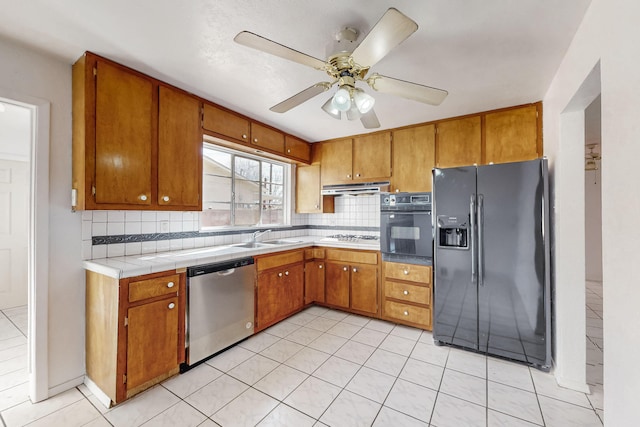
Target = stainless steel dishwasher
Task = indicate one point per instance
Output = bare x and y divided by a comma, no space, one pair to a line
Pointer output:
220,307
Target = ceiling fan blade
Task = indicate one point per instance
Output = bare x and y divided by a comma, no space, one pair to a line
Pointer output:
370,120
265,45
301,97
415,91
391,30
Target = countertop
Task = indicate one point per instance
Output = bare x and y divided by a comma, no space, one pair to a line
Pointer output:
136,265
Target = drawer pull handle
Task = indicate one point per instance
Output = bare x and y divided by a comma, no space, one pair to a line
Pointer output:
170,285
406,272
405,292
406,313
171,306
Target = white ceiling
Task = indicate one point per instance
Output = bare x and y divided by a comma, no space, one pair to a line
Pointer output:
488,54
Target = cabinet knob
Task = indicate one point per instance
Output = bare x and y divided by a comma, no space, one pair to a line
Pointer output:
320,266
288,150
406,272
286,273
170,285
345,268
405,292
317,206
143,197
244,136
357,175
355,270
406,313
279,274
348,175
397,190
165,199
255,139
171,306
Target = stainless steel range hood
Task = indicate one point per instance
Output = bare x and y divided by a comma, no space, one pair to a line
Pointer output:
355,189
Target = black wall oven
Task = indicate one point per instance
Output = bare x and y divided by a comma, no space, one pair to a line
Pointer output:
405,228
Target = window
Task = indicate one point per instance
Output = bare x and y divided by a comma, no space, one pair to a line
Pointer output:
242,190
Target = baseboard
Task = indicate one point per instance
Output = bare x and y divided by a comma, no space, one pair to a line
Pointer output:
97,392
67,385
573,385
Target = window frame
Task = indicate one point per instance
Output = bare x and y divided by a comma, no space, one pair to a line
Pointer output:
286,188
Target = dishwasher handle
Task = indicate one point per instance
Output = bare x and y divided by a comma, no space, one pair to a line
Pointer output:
226,272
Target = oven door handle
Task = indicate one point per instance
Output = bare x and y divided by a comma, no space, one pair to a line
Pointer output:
472,232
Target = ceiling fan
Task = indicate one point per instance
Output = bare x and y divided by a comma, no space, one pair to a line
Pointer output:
346,68
591,157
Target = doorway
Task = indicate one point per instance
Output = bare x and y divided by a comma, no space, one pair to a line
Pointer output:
24,224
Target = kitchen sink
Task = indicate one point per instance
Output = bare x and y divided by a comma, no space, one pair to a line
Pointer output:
282,242
253,245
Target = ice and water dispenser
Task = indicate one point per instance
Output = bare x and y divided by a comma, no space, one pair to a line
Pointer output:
453,231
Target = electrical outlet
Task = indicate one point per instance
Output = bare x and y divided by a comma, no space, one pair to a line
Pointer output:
164,226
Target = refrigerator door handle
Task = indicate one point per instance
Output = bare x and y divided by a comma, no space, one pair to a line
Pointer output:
472,239
480,240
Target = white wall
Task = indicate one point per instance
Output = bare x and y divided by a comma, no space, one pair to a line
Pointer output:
609,34
39,75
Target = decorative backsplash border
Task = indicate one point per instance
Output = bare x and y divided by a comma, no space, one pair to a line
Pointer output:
150,237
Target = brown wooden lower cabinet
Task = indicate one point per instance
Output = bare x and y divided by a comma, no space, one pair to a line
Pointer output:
352,280
406,294
280,287
314,275
135,331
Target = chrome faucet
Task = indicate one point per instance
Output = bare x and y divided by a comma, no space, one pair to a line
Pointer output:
257,234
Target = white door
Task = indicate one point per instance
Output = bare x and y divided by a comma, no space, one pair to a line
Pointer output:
14,223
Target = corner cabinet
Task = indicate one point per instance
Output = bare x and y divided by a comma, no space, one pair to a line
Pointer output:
135,331
136,143
279,288
352,280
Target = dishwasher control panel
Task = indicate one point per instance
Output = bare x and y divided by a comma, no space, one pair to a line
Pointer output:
219,266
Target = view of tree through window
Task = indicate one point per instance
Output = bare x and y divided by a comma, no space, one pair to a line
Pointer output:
241,190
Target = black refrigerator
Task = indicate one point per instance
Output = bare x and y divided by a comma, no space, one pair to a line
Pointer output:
491,260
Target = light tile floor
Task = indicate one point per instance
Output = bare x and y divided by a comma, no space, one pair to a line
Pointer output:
325,367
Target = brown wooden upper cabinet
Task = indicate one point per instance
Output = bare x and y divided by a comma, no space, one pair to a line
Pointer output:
226,123
308,195
133,140
459,142
513,135
264,137
358,159
413,158
297,148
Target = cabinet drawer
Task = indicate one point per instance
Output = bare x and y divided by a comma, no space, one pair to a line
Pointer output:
352,256
273,261
225,123
153,287
408,313
407,292
409,272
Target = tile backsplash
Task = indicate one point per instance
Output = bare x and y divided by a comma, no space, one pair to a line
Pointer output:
141,232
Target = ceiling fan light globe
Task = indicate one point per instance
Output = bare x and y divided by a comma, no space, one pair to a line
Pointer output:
331,110
342,100
353,113
363,101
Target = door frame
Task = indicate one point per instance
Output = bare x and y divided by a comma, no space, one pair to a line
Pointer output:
38,244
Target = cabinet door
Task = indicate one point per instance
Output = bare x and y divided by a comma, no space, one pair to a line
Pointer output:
459,142
308,198
314,281
372,156
295,147
124,122
337,284
225,123
512,135
269,297
179,150
364,288
413,158
265,137
152,341
335,163
293,297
